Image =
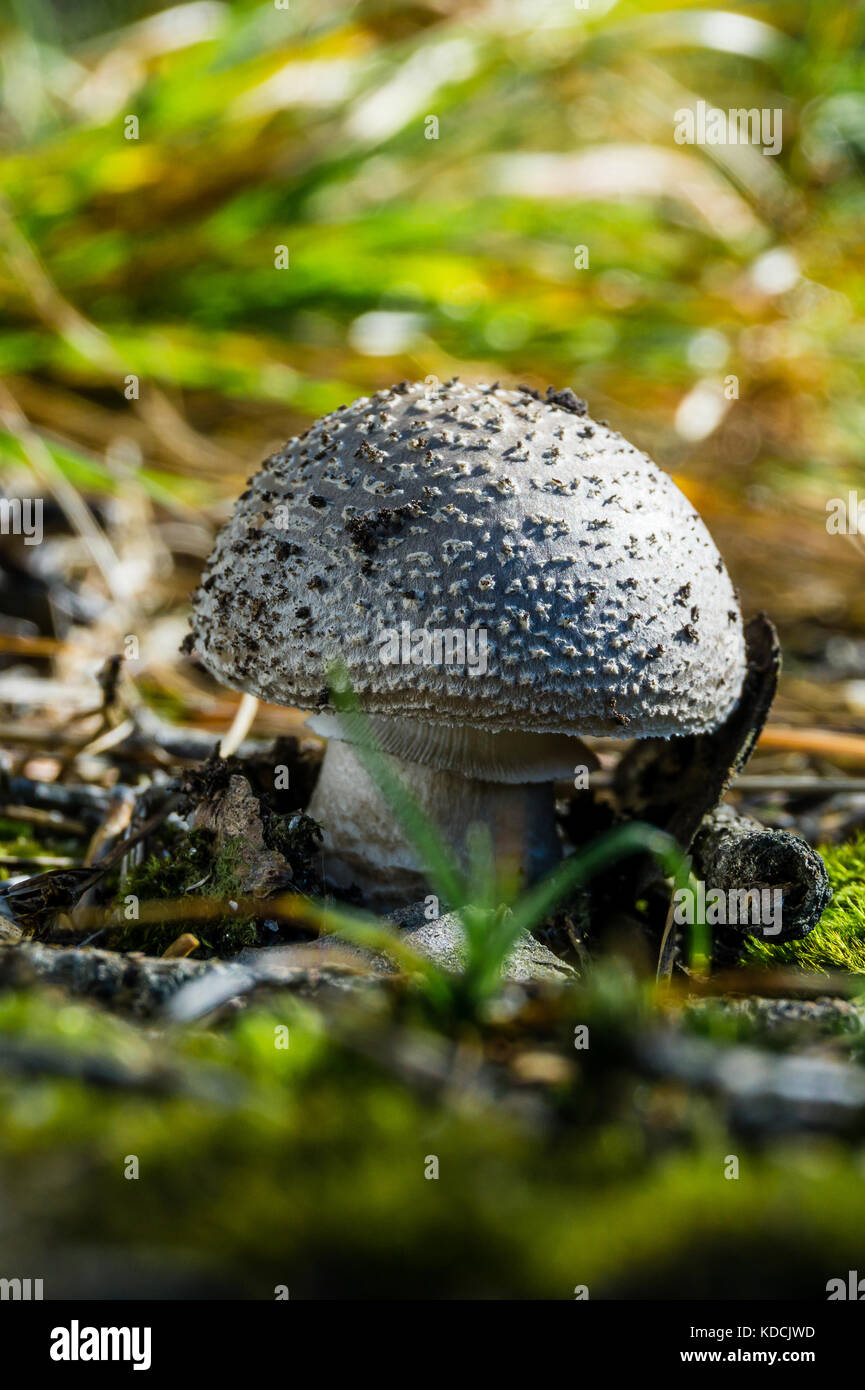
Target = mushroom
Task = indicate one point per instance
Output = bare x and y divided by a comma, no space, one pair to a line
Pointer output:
500,576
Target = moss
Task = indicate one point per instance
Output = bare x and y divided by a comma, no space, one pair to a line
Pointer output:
838,940
226,864
186,865
298,838
312,1174
182,861
231,933
165,875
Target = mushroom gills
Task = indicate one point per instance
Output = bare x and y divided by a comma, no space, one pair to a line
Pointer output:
490,755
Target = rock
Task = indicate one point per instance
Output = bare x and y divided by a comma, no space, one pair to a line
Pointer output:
443,941
826,1014
299,969
131,983
9,930
765,1092
344,953
233,815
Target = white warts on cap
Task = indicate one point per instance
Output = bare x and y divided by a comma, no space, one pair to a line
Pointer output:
322,554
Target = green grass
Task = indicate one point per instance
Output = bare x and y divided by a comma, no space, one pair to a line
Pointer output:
838,940
166,242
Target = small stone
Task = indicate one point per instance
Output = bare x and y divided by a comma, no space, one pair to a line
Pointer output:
443,942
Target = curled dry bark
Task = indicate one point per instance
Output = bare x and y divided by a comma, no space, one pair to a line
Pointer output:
677,784
735,852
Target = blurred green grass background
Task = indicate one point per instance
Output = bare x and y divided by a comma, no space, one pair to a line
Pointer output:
306,128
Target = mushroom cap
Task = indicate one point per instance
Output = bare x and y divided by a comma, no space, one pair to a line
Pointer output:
605,605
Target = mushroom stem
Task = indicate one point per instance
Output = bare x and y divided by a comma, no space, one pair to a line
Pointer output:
365,844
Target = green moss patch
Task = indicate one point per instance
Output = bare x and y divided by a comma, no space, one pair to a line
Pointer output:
838,940
186,865
311,1170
